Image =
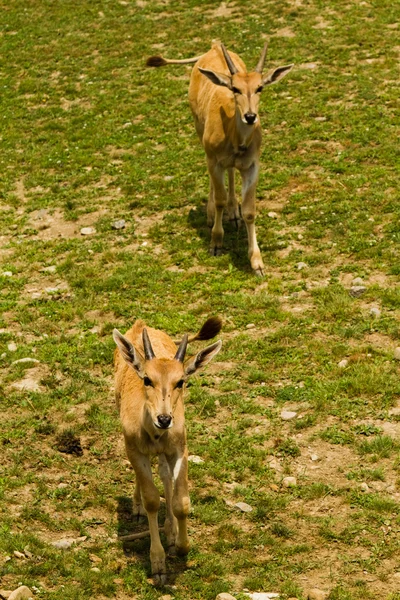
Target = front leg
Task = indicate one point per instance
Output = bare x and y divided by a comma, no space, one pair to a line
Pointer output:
249,184
220,198
233,208
138,509
170,525
151,502
180,499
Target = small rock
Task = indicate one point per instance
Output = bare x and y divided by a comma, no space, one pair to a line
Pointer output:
197,460
357,290
42,213
94,558
88,230
375,312
314,457
320,119
95,569
364,487
120,224
21,593
27,553
25,360
7,274
250,326
63,544
243,507
19,554
301,265
286,415
396,353
12,347
396,576
262,595
343,363
50,269
62,486
273,215
289,482
224,596
357,281
316,594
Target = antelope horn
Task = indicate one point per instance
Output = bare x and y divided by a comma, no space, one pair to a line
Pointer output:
229,61
148,350
260,64
180,353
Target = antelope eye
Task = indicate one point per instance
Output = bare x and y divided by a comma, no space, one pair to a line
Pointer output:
236,91
147,382
180,383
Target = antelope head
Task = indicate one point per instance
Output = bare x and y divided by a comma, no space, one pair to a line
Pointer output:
163,379
246,87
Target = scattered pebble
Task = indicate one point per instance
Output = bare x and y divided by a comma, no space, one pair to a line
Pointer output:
50,269
375,312
42,213
343,363
25,360
12,347
262,595
223,596
357,290
120,224
364,487
19,554
316,594
62,486
357,281
195,459
94,558
289,482
95,569
320,119
301,265
21,593
88,230
396,353
250,326
314,457
286,415
273,215
168,177
7,274
63,544
244,507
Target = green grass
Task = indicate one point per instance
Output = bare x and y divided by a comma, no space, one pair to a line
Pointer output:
89,136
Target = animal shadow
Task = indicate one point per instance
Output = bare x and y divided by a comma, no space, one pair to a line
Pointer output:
235,237
140,549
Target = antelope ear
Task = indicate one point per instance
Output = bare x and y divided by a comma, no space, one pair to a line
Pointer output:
201,359
276,75
128,353
217,78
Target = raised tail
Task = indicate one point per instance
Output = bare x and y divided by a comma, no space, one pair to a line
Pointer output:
160,61
209,330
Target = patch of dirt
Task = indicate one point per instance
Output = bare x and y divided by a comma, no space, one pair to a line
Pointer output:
285,32
31,380
53,225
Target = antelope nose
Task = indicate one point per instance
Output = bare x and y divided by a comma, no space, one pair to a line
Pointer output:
164,421
250,118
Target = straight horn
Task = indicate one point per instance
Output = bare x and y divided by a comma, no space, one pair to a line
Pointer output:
148,350
260,65
228,60
180,353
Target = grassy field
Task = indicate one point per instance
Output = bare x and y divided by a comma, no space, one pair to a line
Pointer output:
90,136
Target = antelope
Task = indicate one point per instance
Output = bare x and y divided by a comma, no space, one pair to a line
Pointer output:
150,378
224,100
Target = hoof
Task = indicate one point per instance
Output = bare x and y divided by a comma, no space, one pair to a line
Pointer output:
159,579
215,251
182,550
259,272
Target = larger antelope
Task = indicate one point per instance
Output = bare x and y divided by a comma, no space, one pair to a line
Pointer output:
150,378
224,99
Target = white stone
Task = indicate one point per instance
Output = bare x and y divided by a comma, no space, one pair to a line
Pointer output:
28,384
262,595
195,459
244,507
95,569
343,363
120,224
273,215
25,360
7,274
301,265
314,457
12,347
357,290
357,281
364,487
19,554
63,544
396,353
286,415
375,312
250,326
224,596
50,269
289,482
21,593
88,230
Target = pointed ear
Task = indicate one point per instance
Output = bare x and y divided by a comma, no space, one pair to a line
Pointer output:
128,353
276,75
217,78
202,358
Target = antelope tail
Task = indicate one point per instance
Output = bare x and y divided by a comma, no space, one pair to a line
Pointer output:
160,61
209,330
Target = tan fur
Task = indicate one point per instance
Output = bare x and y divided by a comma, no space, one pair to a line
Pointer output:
140,405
